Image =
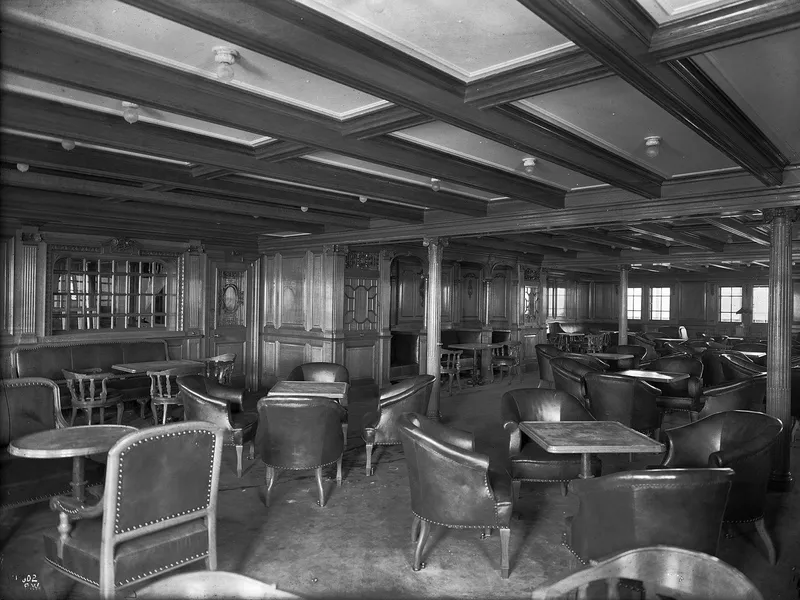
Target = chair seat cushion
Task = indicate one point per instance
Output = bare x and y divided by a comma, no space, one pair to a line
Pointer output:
134,559
500,481
537,464
508,361
244,426
677,403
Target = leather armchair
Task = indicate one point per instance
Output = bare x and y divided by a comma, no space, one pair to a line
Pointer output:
452,485
629,363
639,339
682,395
738,366
744,394
588,360
157,514
206,399
660,569
544,353
320,371
300,434
752,347
712,369
568,376
633,402
380,427
738,439
635,509
529,461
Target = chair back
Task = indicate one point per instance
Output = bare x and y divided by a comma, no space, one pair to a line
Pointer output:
447,478
568,376
638,339
629,363
595,342
29,405
87,387
161,477
163,384
676,363
199,404
738,366
450,360
540,404
712,368
300,433
544,353
664,572
324,372
743,394
507,349
221,367
628,400
738,439
634,509
410,395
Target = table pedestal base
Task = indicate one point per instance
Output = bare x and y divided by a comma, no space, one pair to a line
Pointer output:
79,482
586,466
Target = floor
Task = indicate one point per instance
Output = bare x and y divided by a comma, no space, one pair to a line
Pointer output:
358,546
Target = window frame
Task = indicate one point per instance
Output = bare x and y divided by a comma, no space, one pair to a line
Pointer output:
729,315
754,313
660,310
630,309
554,310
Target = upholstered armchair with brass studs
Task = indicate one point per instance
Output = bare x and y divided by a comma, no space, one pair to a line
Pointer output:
743,394
205,399
453,485
568,375
632,402
380,427
544,354
320,371
158,511
685,394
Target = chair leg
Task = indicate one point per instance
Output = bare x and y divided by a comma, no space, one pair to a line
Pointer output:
369,460
142,406
505,538
487,532
515,487
239,448
270,480
89,418
120,410
415,525
102,415
339,471
320,488
425,530
155,413
564,487
164,414
765,537
252,454
72,418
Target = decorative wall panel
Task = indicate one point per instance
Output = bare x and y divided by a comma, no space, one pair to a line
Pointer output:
317,284
292,291
230,306
410,291
471,287
360,304
692,302
501,281
605,301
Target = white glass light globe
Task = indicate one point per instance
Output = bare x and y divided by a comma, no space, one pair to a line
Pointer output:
67,144
22,167
435,184
376,6
224,72
130,114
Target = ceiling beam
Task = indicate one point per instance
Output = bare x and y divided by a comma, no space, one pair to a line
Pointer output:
744,231
492,243
724,267
563,242
618,33
723,26
78,63
617,242
382,121
557,70
52,118
305,38
293,217
669,235
15,148
280,150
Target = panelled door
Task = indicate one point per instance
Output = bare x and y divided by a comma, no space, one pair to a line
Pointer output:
228,310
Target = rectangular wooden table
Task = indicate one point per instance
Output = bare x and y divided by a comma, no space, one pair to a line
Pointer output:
587,438
191,366
315,389
659,376
478,377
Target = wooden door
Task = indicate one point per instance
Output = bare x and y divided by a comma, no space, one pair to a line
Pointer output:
228,331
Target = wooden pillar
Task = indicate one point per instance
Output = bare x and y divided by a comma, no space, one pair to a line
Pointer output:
543,307
433,318
333,256
623,305
30,266
386,308
779,383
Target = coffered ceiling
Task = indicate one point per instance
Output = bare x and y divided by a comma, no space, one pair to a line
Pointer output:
371,122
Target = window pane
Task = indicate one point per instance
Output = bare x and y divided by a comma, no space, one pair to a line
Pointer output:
760,303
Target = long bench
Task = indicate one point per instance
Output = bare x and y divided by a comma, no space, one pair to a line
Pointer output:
47,360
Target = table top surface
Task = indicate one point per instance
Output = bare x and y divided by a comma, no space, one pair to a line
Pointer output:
755,353
316,389
475,345
610,355
578,334
81,440
662,376
666,339
158,365
573,437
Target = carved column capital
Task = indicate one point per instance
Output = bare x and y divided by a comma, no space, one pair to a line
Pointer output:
334,249
787,212
427,241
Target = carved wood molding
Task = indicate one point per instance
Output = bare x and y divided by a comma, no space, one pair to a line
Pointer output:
367,261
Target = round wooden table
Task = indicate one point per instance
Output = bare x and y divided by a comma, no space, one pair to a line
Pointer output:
71,442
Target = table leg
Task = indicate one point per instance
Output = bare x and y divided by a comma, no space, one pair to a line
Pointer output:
339,463
78,480
586,466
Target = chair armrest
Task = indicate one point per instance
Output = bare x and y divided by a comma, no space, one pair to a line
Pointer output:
695,387
514,437
725,458
74,508
224,392
463,440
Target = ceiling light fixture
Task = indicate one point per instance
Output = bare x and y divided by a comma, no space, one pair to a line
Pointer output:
225,57
652,145
436,184
68,144
530,164
376,6
23,167
304,208
131,112
362,199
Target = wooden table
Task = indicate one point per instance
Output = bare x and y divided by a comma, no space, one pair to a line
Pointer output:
753,353
71,442
659,376
565,340
315,389
587,438
191,366
477,378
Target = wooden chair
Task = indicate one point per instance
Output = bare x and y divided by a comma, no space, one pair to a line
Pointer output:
221,367
156,515
663,572
506,357
164,391
595,342
450,361
86,396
